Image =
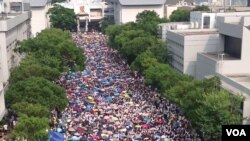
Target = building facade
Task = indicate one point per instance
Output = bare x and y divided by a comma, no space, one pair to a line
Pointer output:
40,19
13,27
214,44
126,10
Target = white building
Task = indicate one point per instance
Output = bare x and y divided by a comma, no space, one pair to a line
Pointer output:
89,12
40,19
126,10
14,26
214,44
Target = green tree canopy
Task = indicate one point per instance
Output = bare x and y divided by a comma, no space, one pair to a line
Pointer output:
33,128
216,109
53,43
37,90
57,1
144,61
148,21
25,71
62,18
109,20
31,110
201,8
180,15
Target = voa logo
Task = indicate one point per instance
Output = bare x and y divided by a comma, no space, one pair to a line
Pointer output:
236,132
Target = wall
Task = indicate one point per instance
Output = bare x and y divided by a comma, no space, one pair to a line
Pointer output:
245,49
199,44
169,10
2,102
39,20
128,13
205,66
235,66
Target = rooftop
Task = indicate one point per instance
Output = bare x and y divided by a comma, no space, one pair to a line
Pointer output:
142,2
197,33
216,56
8,16
39,3
242,79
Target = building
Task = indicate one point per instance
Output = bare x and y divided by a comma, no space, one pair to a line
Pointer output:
213,44
40,19
89,13
126,10
14,26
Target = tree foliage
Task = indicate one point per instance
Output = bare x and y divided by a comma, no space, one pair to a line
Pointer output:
57,44
31,110
109,20
62,18
32,128
37,90
201,8
57,1
180,15
144,61
26,70
148,21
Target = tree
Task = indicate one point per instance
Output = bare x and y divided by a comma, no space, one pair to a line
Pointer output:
201,8
144,61
115,30
32,128
216,109
148,21
106,22
31,110
62,18
160,51
55,43
159,76
25,71
37,90
136,46
57,1
180,15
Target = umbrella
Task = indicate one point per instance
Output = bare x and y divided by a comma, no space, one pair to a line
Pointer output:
75,138
59,130
71,129
77,134
90,98
115,118
123,130
106,117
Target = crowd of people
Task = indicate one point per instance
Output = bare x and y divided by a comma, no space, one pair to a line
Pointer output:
109,102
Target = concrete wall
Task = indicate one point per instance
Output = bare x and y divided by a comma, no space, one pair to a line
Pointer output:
6,25
169,10
2,102
40,19
245,49
234,66
199,44
128,13
205,66
8,58
233,30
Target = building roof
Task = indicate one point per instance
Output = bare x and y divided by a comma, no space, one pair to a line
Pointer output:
174,2
39,3
142,2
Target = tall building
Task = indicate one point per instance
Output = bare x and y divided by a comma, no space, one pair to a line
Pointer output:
213,44
126,10
40,19
14,26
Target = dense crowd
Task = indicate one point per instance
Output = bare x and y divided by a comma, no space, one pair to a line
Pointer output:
109,102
